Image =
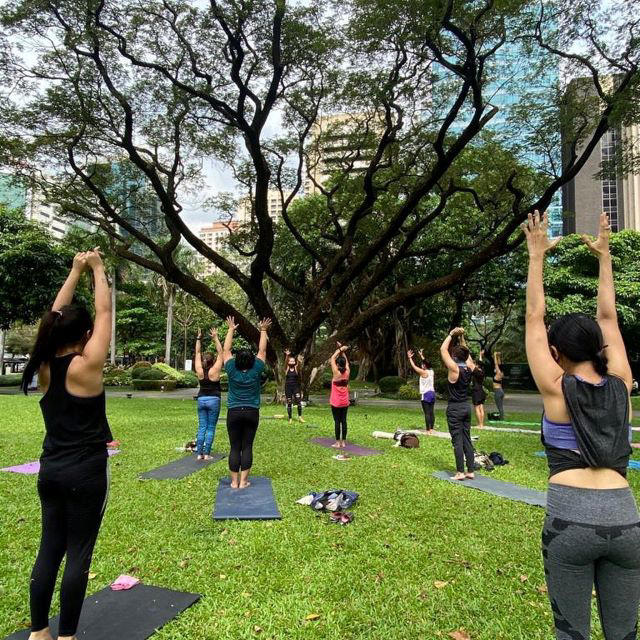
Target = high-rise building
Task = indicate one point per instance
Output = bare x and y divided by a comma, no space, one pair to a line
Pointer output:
215,237
337,142
244,211
593,191
15,194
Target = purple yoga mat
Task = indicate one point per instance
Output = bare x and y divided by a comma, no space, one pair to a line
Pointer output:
31,468
351,448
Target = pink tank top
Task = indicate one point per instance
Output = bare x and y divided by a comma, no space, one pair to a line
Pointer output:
340,391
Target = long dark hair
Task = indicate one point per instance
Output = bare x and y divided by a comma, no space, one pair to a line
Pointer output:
478,375
245,360
579,339
341,363
207,362
57,330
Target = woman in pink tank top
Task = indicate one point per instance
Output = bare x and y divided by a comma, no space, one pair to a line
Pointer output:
339,398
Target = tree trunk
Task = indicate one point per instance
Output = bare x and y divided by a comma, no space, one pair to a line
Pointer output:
112,346
3,336
169,332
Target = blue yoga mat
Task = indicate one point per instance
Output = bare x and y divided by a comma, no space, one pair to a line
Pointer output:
634,465
256,502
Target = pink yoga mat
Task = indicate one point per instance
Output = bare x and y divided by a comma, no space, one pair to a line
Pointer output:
31,468
351,448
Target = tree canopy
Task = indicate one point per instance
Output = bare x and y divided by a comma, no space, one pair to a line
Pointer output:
428,165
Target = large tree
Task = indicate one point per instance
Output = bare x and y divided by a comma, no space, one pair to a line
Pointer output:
163,83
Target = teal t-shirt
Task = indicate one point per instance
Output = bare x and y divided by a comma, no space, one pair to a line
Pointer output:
244,386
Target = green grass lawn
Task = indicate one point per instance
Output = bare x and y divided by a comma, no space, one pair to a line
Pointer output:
373,579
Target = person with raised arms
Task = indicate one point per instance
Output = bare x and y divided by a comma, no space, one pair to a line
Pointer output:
498,384
460,366
292,385
427,389
243,400
69,355
208,371
591,533
339,397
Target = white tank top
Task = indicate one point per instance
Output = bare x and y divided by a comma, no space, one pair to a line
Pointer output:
426,383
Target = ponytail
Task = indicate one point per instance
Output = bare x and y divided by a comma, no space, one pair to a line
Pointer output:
57,330
600,363
341,363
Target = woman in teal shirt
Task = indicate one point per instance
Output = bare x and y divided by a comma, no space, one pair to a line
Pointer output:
243,401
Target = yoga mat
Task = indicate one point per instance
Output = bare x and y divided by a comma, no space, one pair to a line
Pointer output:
32,468
256,502
134,614
445,435
180,468
351,448
498,488
515,423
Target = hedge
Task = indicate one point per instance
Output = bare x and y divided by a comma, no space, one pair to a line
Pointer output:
390,384
407,392
151,374
154,385
11,380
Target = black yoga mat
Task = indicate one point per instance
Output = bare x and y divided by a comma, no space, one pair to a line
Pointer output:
498,488
256,502
134,614
181,468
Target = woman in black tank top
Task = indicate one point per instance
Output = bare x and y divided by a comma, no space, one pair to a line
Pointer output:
208,371
69,356
460,366
292,386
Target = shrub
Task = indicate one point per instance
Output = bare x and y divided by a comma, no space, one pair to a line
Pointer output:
10,380
270,387
407,392
116,377
189,380
154,385
390,384
151,374
141,364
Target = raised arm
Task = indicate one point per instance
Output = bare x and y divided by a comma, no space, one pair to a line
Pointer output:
606,314
217,365
287,354
228,341
544,369
449,362
263,325
334,367
198,357
65,295
97,348
419,370
496,365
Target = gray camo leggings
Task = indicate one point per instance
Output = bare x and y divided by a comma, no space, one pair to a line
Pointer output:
592,538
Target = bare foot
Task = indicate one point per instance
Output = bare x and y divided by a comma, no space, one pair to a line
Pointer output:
469,475
41,635
300,419
244,485
200,457
459,476
235,485
290,420
344,444
336,445
207,457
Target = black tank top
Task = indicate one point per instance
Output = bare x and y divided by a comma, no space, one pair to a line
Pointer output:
76,427
600,420
208,387
459,390
292,379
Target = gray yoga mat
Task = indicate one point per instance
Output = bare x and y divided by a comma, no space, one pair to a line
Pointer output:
181,468
256,502
353,449
498,488
134,614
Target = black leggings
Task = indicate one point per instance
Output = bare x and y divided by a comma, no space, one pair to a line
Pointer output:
292,394
340,421
459,421
73,502
429,417
242,424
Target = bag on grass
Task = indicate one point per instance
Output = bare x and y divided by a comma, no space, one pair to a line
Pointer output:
409,441
497,459
482,461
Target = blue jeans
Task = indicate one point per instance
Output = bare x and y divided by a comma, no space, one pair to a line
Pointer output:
208,412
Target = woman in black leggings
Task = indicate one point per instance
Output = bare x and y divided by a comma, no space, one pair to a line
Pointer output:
243,401
591,534
69,355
